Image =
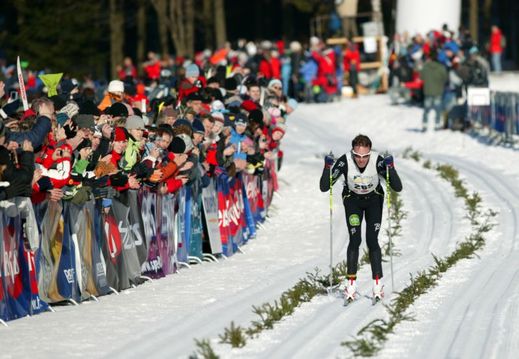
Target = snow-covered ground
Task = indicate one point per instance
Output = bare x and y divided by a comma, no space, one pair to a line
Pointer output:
505,81
472,313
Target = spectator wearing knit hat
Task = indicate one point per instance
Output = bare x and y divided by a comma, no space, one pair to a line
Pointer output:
115,93
135,127
194,102
191,83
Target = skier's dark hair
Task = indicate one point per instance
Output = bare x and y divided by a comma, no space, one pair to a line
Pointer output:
361,140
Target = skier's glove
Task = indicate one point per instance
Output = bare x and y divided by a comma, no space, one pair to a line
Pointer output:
389,161
328,161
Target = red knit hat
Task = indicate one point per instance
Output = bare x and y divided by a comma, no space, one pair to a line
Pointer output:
249,105
120,134
28,113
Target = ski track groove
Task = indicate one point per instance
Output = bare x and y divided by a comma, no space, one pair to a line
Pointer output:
494,314
447,219
465,343
239,303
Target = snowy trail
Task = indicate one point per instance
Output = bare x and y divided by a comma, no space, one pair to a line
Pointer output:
480,319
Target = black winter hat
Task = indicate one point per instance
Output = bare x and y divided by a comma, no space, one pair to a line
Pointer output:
212,80
83,144
58,101
251,81
182,121
198,126
256,116
194,96
230,84
181,144
240,119
117,110
67,86
177,145
88,107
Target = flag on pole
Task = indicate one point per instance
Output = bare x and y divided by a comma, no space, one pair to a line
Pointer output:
23,94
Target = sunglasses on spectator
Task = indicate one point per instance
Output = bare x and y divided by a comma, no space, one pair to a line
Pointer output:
276,87
359,155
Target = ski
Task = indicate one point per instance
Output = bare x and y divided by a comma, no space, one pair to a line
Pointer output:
348,300
375,300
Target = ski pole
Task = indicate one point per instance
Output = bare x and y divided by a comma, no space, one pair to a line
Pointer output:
331,227
388,193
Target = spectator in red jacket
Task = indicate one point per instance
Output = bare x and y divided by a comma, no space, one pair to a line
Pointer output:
496,47
265,68
275,64
127,69
352,65
152,67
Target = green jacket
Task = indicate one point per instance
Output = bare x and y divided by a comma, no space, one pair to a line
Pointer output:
131,155
434,76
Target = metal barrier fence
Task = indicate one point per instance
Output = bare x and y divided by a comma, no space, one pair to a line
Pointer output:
501,118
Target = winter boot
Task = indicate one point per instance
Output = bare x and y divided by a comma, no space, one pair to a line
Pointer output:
378,290
350,290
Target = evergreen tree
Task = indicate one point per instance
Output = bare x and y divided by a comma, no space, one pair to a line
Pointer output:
61,35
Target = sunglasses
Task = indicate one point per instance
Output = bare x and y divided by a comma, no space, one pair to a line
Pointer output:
360,156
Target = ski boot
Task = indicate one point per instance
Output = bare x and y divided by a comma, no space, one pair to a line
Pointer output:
350,291
378,291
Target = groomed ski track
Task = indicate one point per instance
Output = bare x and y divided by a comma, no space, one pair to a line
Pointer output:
161,319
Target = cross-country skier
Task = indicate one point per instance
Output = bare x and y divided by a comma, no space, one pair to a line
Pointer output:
363,197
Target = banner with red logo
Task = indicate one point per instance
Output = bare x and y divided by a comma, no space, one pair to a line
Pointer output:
18,279
231,216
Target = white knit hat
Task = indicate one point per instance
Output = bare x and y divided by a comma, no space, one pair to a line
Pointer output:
116,86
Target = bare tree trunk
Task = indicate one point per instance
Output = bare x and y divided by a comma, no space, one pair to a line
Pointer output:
487,8
487,13
177,19
181,26
219,23
189,25
474,11
161,7
141,31
116,35
176,28
208,21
